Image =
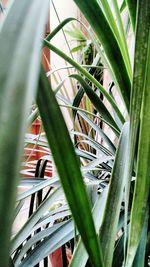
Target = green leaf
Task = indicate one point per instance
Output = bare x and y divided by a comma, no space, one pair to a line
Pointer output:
87,75
98,104
18,207
132,6
58,28
81,110
20,47
140,59
108,230
32,117
96,162
142,185
52,217
36,188
76,33
80,255
122,39
118,253
77,100
77,48
71,178
98,22
123,6
115,23
139,260
78,97
94,143
99,131
68,105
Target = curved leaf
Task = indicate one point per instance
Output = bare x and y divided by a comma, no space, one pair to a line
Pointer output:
87,75
28,226
50,243
34,239
99,131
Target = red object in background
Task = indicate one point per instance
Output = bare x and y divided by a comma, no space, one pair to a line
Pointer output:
4,2
56,258
34,151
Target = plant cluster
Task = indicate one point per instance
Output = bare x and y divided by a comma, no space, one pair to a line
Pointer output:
97,204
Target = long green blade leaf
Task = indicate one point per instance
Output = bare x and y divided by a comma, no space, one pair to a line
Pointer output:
20,45
118,31
80,255
140,59
68,168
141,192
108,230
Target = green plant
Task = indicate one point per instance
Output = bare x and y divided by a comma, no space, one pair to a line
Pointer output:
116,232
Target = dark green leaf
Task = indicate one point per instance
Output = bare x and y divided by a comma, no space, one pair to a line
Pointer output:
142,185
132,6
141,50
71,178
